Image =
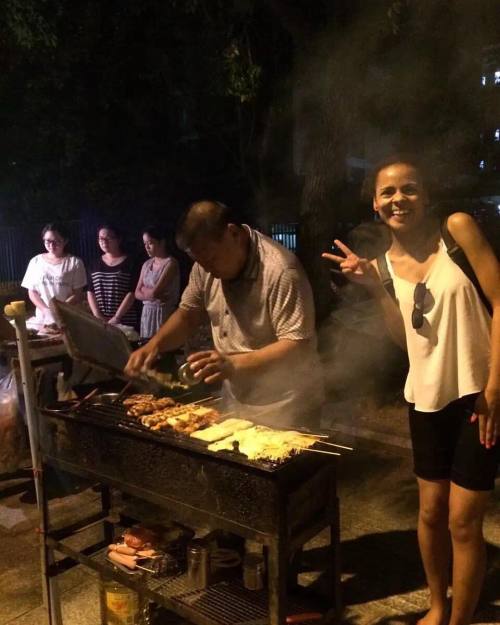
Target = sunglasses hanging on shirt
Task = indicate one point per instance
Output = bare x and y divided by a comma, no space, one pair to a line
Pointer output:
417,315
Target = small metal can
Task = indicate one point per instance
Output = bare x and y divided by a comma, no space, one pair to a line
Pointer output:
198,565
253,571
186,375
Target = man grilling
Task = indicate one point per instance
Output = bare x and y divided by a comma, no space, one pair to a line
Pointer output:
261,312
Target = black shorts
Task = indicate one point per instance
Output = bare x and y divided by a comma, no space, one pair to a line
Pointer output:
446,446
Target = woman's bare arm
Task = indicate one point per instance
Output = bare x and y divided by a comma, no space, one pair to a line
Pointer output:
362,271
482,258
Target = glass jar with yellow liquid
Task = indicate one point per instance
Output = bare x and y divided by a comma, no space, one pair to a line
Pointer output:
121,605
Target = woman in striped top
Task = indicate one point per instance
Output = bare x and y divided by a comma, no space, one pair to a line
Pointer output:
112,280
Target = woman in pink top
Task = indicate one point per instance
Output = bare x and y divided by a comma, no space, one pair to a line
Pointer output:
159,282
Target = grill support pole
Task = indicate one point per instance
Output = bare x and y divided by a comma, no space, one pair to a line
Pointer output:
278,565
17,311
334,568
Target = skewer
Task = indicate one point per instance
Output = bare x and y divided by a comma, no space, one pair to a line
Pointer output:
202,401
143,568
336,445
86,398
319,451
122,392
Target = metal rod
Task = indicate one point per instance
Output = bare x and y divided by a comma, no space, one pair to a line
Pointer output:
336,445
122,392
88,396
319,451
202,401
19,315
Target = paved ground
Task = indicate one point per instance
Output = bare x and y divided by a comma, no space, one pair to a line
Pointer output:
382,577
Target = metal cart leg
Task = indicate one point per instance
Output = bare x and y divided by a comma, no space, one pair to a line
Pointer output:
334,566
277,576
50,588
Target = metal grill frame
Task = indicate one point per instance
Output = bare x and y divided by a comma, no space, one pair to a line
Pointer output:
281,506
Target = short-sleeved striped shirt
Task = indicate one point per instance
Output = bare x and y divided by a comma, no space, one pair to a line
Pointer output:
110,285
271,300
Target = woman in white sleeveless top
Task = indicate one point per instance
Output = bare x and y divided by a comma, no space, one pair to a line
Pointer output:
453,384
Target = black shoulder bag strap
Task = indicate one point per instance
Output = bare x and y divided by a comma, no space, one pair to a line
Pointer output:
385,275
457,255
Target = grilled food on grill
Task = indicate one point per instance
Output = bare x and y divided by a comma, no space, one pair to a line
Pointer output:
149,406
137,398
263,443
140,537
222,430
183,418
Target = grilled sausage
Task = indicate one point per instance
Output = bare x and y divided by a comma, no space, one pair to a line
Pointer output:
146,553
120,558
128,551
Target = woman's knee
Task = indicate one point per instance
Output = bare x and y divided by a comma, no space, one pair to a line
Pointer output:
466,528
434,513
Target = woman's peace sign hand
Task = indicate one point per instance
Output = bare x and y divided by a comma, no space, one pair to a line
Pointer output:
356,269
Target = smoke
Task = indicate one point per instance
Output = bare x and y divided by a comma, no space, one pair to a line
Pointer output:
390,76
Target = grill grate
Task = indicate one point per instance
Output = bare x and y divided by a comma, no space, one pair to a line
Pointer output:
115,416
222,603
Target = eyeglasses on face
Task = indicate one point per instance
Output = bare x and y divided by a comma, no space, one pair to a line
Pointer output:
417,315
53,242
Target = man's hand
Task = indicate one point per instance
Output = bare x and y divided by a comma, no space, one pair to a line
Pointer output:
211,366
487,411
143,357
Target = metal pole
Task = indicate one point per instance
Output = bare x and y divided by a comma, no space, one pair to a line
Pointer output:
17,311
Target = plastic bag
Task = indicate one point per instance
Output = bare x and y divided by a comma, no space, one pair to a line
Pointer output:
12,439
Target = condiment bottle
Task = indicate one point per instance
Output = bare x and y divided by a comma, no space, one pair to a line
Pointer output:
198,564
253,571
186,375
121,605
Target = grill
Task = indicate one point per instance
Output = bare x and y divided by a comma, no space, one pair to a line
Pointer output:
281,505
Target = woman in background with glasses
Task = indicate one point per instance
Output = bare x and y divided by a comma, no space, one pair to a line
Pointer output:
453,385
56,273
159,282
112,280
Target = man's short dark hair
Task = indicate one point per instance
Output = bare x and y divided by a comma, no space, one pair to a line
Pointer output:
205,219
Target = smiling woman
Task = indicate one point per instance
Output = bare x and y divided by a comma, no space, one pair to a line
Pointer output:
453,384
